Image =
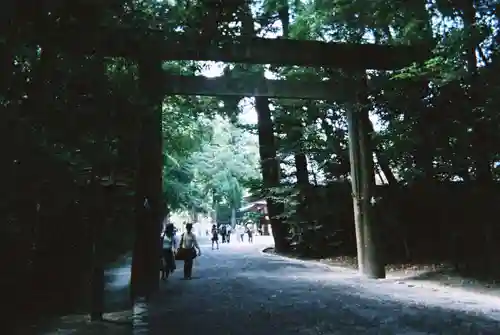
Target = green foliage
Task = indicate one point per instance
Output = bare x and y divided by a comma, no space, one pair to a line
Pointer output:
224,163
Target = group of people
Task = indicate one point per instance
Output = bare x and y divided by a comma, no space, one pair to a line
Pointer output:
225,231
187,250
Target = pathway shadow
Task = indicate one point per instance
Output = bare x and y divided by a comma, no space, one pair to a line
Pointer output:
242,310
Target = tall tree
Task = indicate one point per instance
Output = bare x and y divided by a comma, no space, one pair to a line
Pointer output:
268,154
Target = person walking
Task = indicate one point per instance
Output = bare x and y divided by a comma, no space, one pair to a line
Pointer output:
168,247
240,232
249,231
215,237
223,232
188,250
229,231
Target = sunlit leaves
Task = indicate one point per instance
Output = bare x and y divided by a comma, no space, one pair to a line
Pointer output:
230,158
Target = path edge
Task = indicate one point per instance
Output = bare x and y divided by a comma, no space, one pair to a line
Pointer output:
333,268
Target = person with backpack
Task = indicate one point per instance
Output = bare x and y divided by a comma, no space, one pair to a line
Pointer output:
188,250
168,247
215,237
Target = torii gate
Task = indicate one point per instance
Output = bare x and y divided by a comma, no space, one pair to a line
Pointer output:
281,52
152,47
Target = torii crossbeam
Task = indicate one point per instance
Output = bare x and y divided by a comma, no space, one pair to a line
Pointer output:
131,43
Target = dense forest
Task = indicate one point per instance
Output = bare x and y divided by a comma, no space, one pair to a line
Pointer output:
70,124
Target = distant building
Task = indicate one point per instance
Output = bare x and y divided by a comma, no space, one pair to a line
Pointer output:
255,206
259,206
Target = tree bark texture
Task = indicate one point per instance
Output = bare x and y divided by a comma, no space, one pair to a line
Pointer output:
362,179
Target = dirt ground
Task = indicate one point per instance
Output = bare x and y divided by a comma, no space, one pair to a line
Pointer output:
430,274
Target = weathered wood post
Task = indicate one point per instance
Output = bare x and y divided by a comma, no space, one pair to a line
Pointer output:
98,218
149,204
97,281
370,263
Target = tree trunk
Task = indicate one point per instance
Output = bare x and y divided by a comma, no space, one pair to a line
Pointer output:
267,149
270,172
382,160
194,214
480,140
362,180
301,172
97,276
97,288
149,204
233,217
314,176
300,158
215,206
380,175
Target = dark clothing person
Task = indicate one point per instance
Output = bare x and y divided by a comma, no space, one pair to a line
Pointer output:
250,235
168,263
223,233
215,237
188,268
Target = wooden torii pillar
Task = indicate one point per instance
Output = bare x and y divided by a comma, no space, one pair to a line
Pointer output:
149,187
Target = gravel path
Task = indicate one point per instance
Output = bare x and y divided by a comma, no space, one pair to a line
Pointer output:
239,290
